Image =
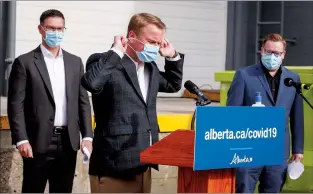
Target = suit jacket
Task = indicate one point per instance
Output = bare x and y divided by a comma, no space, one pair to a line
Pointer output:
124,121
31,106
249,80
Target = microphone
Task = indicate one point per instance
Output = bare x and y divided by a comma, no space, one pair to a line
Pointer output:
192,88
289,82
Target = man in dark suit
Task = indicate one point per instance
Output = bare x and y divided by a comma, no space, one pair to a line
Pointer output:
268,77
125,82
47,110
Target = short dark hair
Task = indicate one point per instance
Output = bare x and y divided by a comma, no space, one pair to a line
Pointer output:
51,13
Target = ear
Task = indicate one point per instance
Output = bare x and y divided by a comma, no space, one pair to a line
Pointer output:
131,35
262,51
283,55
41,31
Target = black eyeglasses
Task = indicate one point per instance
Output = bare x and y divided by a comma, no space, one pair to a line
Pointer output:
53,29
276,53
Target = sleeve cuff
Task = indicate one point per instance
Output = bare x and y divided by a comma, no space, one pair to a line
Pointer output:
87,139
117,51
298,151
174,59
21,142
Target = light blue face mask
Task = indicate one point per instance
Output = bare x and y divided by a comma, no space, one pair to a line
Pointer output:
53,39
271,62
148,54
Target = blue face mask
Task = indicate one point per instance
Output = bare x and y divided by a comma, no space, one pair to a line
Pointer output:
148,54
271,62
53,39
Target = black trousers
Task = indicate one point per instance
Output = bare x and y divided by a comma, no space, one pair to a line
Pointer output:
57,166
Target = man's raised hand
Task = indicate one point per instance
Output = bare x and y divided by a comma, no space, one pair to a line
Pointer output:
120,42
167,49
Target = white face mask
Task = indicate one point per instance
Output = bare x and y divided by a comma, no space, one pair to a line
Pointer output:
295,170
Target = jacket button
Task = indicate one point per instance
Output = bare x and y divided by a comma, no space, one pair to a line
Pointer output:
51,119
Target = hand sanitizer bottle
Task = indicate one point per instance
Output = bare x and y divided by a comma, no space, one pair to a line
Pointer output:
258,100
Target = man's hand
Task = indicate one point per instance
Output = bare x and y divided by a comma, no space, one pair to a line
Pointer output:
87,144
296,157
167,49
25,150
120,42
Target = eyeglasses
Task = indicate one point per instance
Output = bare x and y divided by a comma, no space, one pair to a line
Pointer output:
276,53
53,29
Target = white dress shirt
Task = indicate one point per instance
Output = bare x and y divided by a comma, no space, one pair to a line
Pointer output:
55,66
56,71
143,75
143,79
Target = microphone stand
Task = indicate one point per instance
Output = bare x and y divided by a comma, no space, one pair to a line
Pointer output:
299,91
199,102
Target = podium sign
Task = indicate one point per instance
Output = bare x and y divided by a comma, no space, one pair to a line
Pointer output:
231,137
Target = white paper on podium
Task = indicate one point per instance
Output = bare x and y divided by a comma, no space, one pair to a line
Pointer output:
86,155
295,169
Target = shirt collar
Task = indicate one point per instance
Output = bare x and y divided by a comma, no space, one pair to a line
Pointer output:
47,53
136,63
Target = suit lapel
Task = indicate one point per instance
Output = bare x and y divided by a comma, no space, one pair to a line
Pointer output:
68,73
282,86
264,82
42,68
130,69
152,71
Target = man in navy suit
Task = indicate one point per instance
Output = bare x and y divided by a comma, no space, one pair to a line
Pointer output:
267,77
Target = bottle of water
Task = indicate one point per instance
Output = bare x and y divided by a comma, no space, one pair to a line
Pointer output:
258,100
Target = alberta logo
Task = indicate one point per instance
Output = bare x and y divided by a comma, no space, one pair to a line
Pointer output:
238,160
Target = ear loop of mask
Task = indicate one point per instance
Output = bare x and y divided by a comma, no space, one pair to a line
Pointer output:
43,28
44,31
136,40
133,50
132,47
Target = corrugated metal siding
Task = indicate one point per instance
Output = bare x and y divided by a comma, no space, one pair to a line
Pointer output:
196,28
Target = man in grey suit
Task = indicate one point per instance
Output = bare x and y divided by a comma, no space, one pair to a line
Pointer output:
268,77
48,109
124,83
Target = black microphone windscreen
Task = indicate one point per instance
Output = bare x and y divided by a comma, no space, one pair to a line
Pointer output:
189,85
306,87
288,81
